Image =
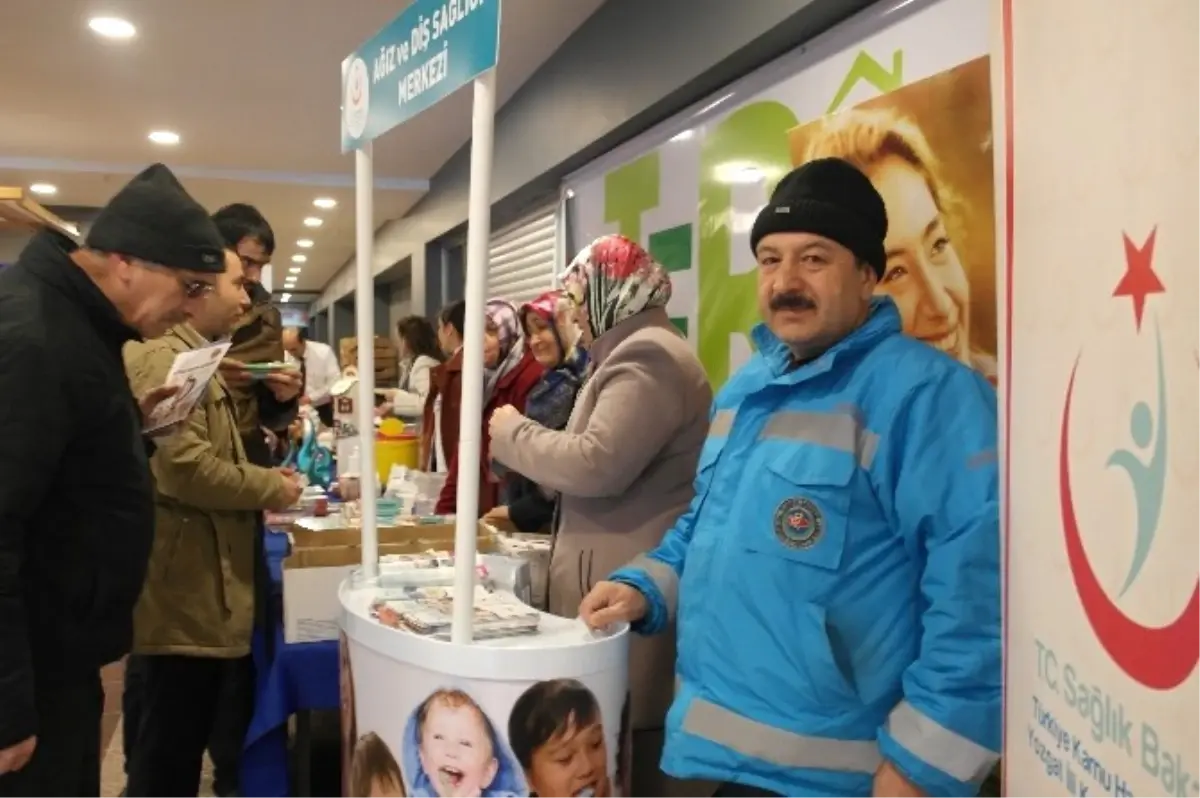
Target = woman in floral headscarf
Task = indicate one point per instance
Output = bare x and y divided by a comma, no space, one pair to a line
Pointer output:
552,340
625,463
509,374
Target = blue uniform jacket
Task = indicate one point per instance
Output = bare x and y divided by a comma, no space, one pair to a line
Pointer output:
836,580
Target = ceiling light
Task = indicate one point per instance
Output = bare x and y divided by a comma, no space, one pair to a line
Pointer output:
305,243
299,258
325,203
294,270
313,221
165,137
112,27
285,298
44,189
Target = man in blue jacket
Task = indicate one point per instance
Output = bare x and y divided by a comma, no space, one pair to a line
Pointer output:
835,582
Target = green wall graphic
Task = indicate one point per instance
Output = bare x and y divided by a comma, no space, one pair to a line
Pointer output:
755,134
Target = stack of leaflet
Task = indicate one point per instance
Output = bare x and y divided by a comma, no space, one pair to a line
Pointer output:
429,611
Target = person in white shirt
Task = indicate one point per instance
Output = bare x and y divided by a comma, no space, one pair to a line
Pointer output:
419,355
321,370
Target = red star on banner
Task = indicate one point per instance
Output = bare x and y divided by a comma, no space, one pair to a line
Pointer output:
1139,280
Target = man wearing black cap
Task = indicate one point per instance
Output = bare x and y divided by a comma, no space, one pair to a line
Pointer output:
76,501
836,581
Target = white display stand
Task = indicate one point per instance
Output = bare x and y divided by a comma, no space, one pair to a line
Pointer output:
392,674
388,675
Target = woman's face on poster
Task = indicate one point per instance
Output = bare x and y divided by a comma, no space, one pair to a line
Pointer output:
924,275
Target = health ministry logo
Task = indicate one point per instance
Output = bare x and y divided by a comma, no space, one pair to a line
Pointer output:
356,103
1160,658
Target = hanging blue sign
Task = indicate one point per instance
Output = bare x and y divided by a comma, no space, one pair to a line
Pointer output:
433,48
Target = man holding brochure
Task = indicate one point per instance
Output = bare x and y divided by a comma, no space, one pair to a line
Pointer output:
196,613
76,501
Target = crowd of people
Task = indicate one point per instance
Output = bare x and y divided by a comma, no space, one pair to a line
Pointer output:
809,560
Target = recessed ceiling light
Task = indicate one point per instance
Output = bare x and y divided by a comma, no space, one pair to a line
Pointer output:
165,137
45,189
305,243
294,270
313,221
285,298
299,258
325,203
112,27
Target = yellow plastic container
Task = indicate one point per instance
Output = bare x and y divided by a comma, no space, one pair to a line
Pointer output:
403,450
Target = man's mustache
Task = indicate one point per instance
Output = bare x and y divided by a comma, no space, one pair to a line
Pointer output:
792,300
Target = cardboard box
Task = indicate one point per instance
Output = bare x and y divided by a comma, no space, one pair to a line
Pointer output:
313,572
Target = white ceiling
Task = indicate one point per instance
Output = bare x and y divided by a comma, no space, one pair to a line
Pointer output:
253,89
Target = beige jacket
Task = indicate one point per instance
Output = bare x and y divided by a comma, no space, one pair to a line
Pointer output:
199,593
624,467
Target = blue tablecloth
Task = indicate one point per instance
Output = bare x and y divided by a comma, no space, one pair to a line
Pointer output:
290,679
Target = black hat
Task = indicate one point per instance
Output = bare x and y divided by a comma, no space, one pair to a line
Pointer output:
154,219
828,197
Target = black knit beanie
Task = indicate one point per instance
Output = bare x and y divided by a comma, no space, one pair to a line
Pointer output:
154,219
828,197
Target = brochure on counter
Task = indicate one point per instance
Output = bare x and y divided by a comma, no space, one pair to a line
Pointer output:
191,371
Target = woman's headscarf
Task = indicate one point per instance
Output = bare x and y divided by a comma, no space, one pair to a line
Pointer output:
615,279
502,314
551,401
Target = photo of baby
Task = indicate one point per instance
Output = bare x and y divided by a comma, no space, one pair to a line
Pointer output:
557,735
374,772
451,749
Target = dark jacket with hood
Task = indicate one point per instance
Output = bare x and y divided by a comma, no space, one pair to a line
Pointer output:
258,338
550,403
76,500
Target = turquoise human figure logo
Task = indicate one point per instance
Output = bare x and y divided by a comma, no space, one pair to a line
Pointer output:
1146,477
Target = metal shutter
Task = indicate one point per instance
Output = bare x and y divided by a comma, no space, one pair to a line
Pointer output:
522,258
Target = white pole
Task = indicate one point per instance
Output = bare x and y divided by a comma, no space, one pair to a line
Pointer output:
479,226
364,318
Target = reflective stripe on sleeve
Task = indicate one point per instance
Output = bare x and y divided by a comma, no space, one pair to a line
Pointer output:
664,578
780,747
937,746
841,430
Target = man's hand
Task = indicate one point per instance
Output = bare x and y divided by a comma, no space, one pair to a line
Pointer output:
503,419
612,602
235,373
17,756
496,514
285,385
153,398
289,493
890,783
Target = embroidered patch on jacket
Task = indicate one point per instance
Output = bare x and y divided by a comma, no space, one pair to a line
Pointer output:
799,523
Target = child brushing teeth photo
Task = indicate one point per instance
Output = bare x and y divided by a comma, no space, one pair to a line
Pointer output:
457,751
557,735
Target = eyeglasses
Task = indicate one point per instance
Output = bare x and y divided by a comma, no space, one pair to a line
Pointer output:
253,263
192,288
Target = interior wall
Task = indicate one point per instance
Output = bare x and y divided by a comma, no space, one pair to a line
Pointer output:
631,65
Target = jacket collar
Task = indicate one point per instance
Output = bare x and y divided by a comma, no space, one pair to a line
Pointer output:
48,258
883,321
187,333
603,346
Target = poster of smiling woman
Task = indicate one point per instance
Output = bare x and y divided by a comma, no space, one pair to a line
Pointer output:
927,147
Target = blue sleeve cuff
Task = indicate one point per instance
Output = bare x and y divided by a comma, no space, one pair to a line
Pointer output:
655,619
